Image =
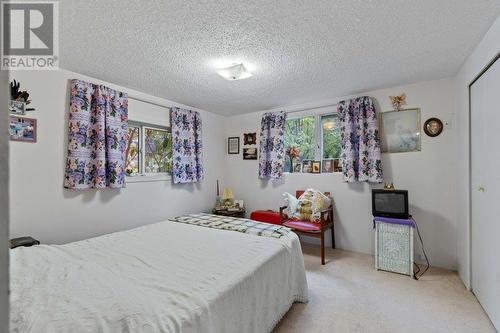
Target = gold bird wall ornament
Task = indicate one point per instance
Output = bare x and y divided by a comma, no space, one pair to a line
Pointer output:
398,101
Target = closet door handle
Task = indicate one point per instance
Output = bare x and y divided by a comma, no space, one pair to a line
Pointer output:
481,189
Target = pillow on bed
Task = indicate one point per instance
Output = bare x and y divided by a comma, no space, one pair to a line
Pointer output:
292,203
310,205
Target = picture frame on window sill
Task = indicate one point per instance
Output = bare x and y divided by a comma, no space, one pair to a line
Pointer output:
328,165
316,167
337,165
233,145
307,166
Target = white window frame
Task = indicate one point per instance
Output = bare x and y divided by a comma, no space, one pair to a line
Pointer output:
143,176
318,129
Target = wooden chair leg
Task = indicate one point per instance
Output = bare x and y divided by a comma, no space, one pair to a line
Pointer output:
322,248
333,238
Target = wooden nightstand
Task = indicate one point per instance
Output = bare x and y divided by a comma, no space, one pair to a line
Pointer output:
231,213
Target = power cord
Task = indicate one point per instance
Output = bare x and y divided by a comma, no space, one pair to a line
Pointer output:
415,274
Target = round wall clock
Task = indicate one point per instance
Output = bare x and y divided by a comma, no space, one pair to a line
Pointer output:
433,127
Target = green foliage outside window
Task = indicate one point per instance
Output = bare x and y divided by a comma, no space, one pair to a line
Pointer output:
158,151
155,150
300,133
132,165
331,137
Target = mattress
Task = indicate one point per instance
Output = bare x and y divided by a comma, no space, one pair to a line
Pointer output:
163,277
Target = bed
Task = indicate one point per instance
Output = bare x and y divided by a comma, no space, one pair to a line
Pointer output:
163,277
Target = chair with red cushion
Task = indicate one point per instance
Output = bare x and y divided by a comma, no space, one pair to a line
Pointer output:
314,229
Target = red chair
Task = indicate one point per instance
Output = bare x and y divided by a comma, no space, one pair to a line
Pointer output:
314,229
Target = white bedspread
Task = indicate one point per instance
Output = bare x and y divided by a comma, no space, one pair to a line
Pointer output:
164,277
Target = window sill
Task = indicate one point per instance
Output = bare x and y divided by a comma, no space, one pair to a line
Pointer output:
148,178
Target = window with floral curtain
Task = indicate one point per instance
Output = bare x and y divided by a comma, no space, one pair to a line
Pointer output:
361,157
97,137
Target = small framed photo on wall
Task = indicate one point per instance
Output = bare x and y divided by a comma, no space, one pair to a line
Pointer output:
17,107
249,138
249,153
233,145
22,129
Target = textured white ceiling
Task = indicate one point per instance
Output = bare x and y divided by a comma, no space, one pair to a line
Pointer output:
300,51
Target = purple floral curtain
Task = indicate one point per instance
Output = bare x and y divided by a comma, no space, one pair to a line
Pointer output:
361,158
187,152
272,146
97,137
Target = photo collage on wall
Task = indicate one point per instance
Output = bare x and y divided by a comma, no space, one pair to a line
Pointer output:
21,128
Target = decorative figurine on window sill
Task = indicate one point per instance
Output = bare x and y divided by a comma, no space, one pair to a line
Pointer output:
293,153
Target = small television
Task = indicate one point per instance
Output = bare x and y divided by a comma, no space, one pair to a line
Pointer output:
390,203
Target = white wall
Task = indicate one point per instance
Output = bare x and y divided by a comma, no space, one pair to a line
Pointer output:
40,206
4,202
487,49
428,175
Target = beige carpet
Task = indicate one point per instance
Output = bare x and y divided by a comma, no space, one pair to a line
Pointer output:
349,295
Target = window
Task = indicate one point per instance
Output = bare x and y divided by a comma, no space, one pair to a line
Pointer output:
300,133
149,150
317,137
158,156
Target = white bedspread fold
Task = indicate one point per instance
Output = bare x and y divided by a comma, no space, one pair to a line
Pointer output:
164,277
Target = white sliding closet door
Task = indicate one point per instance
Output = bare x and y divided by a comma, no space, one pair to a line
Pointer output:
485,190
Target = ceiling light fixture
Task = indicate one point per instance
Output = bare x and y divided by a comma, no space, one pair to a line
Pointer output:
234,72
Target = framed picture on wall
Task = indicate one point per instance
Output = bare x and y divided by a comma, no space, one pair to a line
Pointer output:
17,107
233,145
249,138
400,131
22,129
433,127
249,153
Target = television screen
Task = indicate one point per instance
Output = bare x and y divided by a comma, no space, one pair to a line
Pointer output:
390,203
